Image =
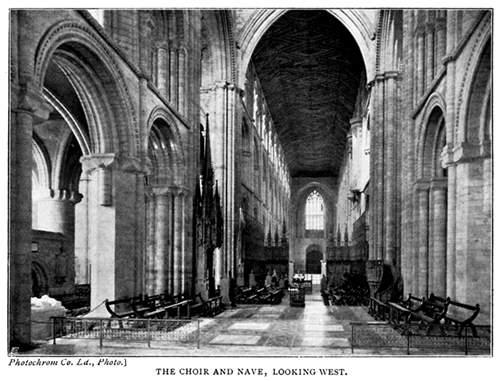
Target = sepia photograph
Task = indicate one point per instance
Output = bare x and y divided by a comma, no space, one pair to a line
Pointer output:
271,183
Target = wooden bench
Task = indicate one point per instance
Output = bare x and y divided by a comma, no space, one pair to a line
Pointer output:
243,294
378,309
214,305
431,312
198,306
461,315
121,307
273,296
165,311
400,312
150,303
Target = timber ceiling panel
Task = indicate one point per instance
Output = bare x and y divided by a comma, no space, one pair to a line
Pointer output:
310,67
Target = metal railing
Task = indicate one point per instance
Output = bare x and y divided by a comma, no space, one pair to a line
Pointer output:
180,331
379,335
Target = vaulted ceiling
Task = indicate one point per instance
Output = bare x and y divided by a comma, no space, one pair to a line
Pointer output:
310,68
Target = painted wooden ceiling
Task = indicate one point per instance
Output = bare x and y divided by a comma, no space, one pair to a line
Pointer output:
310,68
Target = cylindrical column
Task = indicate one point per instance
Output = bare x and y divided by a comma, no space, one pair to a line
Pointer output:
82,261
423,232
161,243
150,243
390,169
178,242
20,227
379,128
439,237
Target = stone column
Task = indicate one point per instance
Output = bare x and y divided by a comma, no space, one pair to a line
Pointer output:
423,235
20,166
178,254
82,263
391,130
162,67
439,190
116,199
27,107
161,237
150,242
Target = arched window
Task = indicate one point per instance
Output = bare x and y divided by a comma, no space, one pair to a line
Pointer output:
314,211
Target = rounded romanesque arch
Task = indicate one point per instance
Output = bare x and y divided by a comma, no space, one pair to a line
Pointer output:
75,51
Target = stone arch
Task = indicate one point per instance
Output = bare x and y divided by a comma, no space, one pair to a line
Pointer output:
42,163
40,281
314,256
478,99
172,158
356,22
434,107
90,68
389,41
218,56
481,41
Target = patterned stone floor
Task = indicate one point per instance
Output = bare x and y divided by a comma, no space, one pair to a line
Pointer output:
250,330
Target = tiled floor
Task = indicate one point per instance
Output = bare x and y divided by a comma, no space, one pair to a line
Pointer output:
249,330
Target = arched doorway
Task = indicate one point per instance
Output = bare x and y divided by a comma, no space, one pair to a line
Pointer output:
39,285
314,256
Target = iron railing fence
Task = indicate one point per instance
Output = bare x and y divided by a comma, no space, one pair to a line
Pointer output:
180,331
441,340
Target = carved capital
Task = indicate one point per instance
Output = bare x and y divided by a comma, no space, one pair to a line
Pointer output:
421,186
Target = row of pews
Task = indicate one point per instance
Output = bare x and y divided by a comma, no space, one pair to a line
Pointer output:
434,311
163,306
259,295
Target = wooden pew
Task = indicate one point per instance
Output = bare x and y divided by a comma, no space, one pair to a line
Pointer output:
122,307
462,315
431,312
378,309
166,311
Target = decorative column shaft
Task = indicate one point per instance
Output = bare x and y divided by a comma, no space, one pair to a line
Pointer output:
150,243
423,235
439,190
82,261
20,227
161,243
178,265
390,132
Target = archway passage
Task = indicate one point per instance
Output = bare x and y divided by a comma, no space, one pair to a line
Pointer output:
313,262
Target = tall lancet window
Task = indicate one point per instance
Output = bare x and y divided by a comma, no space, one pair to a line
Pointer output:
315,210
